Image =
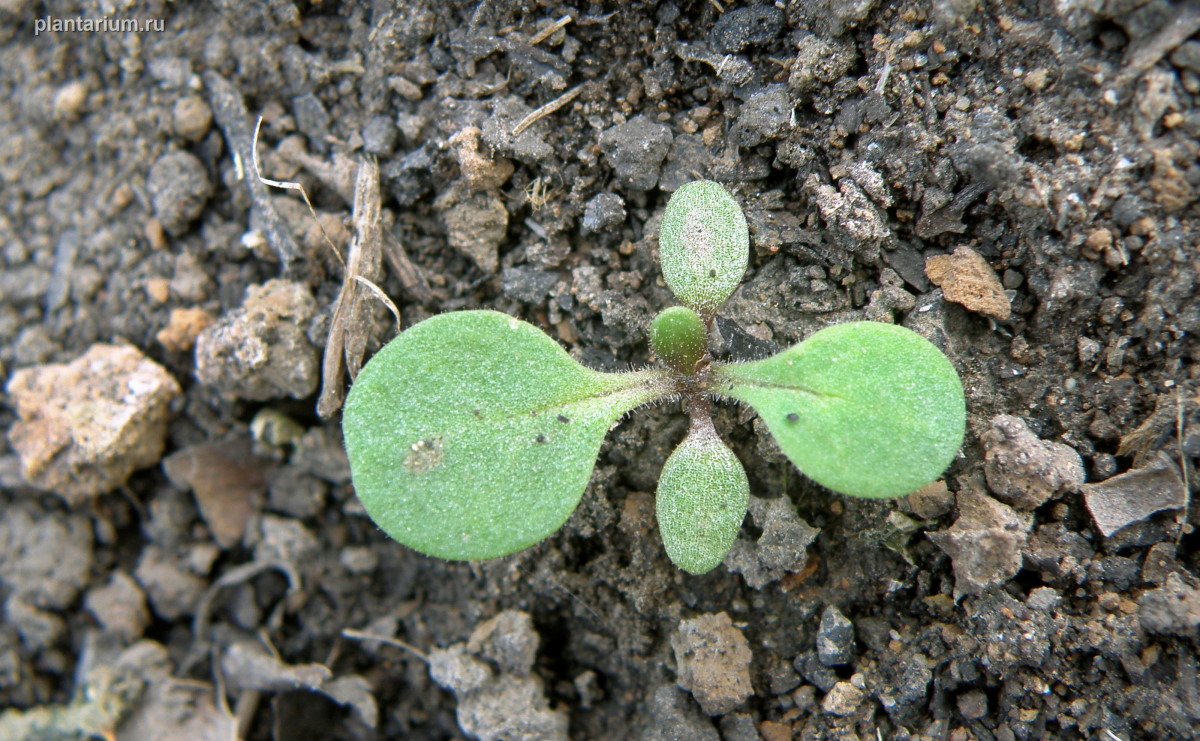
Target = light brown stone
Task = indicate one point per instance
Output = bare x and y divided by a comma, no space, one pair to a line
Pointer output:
713,662
84,427
182,329
966,278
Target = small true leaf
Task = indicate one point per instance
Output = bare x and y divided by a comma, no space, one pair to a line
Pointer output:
864,408
678,337
704,245
473,435
701,501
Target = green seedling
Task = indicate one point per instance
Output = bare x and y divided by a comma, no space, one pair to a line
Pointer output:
473,435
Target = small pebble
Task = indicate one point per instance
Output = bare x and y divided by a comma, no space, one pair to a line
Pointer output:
158,290
179,188
835,638
182,329
603,211
191,118
972,704
842,700
379,136
69,100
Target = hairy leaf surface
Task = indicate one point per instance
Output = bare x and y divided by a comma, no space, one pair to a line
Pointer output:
704,245
864,408
701,501
473,435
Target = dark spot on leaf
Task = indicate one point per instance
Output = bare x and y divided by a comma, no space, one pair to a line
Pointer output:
425,455
476,412
793,417
712,273
540,438
563,419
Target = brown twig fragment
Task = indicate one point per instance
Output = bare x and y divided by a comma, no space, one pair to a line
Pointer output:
359,635
410,278
547,109
1182,517
289,185
231,116
347,342
549,31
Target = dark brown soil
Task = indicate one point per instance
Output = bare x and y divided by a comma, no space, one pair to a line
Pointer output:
1057,141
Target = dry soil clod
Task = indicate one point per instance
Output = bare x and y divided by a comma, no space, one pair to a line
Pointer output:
967,279
85,426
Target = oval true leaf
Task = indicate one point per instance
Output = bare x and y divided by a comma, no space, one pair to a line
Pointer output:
864,408
701,501
473,435
679,339
704,245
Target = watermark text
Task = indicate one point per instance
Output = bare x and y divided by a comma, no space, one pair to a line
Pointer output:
103,24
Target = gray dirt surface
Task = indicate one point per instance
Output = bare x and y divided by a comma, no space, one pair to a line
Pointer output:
1039,160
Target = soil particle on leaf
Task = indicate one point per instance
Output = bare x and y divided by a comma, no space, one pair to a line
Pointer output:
85,426
1024,471
260,351
712,660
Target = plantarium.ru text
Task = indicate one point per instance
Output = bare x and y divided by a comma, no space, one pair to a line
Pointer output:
473,435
